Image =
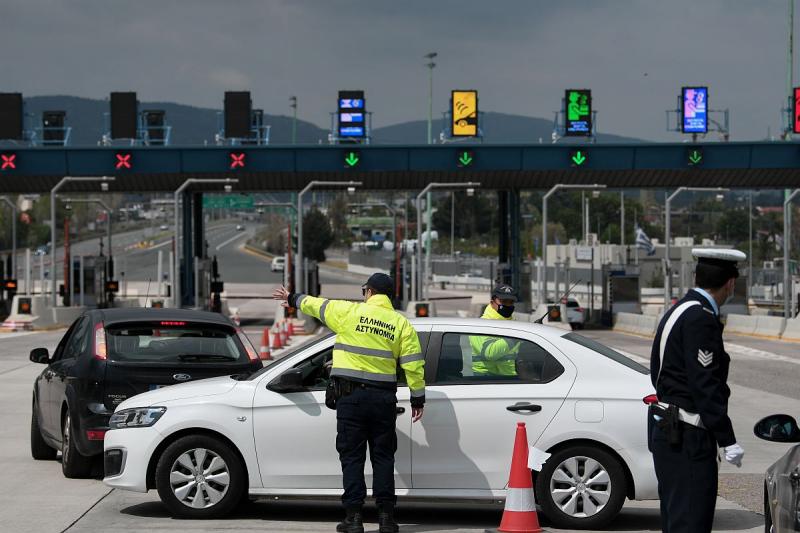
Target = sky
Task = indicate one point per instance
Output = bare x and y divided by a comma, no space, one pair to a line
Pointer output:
520,55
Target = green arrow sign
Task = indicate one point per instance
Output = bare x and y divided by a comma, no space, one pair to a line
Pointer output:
229,201
578,158
695,157
352,159
465,159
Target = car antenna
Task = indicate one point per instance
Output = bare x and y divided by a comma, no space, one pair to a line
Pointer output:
540,320
147,292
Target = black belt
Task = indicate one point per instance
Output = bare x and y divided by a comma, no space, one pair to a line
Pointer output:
349,386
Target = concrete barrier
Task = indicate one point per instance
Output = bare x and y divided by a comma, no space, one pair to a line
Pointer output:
626,323
792,330
770,326
741,324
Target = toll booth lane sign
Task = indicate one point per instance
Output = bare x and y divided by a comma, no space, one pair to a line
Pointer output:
694,156
578,158
465,158
577,112
123,161
8,161
694,109
464,114
237,160
352,158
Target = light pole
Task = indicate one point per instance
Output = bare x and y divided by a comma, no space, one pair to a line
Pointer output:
66,179
176,281
548,194
430,66
667,231
293,105
299,279
105,207
469,185
12,205
787,230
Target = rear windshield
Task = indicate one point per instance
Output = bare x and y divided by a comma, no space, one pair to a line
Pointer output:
604,350
173,342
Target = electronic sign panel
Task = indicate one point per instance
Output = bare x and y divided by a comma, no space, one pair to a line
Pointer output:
577,112
796,110
352,114
464,114
694,109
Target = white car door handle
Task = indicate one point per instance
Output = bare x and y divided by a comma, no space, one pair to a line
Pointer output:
524,407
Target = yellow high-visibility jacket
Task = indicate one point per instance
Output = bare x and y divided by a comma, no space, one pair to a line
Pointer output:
371,339
493,356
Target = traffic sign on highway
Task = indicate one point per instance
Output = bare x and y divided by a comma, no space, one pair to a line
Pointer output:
465,158
578,158
227,201
694,156
351,158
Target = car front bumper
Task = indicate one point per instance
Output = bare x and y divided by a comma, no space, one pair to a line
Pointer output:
137,446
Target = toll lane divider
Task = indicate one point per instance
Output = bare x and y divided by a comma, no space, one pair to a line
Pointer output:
636,324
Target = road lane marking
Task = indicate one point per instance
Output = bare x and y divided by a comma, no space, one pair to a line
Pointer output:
754,353
224,244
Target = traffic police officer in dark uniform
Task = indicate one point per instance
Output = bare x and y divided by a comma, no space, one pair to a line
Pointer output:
689,422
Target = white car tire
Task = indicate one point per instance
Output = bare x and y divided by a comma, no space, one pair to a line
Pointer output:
199,476
581,487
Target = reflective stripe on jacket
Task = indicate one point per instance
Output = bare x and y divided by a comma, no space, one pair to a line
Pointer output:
493,355
371,340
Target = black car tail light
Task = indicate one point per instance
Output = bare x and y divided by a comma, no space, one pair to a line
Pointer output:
100,344
113,462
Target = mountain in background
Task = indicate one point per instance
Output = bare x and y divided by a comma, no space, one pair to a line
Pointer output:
197,126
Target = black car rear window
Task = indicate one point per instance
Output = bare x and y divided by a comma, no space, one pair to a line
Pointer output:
604,350
174,341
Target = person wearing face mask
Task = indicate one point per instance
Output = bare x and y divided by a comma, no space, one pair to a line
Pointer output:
372,340
689,423
496,356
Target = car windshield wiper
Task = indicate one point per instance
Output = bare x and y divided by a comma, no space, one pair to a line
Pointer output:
210,356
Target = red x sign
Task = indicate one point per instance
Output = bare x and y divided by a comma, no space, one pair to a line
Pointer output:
8,161
237,160
123,161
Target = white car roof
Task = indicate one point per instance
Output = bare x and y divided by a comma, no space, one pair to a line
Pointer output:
539,329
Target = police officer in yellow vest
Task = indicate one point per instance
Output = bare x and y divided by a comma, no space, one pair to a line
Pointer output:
372,339
496,356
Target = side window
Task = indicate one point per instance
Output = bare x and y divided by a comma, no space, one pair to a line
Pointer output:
468,358
78,342
317,370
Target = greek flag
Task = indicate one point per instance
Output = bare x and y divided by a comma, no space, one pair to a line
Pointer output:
643,242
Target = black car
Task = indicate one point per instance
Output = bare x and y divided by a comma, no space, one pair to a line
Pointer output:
109,355
782,480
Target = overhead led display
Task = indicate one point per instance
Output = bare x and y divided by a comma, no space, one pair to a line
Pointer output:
694,109
464,114
352,114
577,112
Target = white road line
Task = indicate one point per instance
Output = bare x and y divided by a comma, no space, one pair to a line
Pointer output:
224,244
753,353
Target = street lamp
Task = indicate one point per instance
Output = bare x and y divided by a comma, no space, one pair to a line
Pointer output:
667,228
12,205
430,66
66,179
787,229
418,287
299,278
176,202
548,194
293,105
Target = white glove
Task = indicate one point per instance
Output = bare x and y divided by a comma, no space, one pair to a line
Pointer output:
734,454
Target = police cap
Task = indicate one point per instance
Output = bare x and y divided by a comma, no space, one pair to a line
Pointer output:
721,260
504,292
380,283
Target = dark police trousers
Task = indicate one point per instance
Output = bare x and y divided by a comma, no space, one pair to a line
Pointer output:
687,478
366,417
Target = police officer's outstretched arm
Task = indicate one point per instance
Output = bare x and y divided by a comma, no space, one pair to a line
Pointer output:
331,313
412,361
703,354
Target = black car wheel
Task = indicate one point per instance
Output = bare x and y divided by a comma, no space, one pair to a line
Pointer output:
199,476
581,487
73,464
40,450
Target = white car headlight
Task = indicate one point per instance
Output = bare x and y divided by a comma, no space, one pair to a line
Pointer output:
139,417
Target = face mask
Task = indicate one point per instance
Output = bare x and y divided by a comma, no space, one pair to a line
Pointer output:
505,311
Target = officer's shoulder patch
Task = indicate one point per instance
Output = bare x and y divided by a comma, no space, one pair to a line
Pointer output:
705,357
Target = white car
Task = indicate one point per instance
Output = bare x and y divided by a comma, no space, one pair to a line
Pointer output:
206,445
278,264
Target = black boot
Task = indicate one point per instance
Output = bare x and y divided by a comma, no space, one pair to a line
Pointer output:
353,522
386,522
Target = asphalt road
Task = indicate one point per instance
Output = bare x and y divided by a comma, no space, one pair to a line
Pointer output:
38,498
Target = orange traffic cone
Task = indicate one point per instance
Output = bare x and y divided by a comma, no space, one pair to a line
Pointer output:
264,351
291,328
278,343
519,515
